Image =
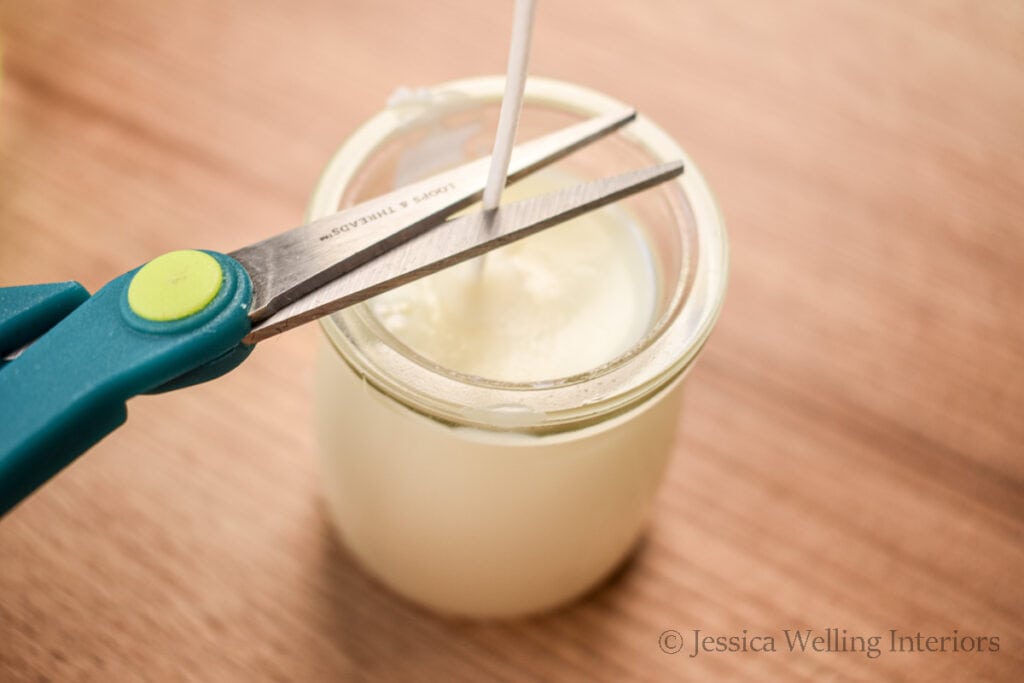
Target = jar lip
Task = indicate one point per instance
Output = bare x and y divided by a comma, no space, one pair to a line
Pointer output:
550,405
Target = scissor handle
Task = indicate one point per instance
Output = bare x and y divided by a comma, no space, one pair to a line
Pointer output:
146,330
28,311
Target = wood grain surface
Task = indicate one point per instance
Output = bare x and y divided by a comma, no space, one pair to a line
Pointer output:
851,453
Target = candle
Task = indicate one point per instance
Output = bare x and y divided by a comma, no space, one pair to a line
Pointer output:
492,438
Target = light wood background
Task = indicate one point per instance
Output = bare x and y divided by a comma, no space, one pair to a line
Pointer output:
852,443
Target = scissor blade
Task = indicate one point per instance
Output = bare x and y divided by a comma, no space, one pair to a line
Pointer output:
287,266
457,240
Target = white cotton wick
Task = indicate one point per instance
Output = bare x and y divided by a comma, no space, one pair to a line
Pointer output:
511,103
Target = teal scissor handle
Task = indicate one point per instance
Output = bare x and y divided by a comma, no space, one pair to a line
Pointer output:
29,311
68,389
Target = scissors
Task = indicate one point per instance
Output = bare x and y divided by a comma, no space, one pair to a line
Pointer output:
71,360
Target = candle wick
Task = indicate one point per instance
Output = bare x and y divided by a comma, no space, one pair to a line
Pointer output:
511,102
511,106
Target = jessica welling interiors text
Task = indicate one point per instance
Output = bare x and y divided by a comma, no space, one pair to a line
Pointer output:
830,640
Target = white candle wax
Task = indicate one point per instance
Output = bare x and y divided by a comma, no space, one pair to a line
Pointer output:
555,305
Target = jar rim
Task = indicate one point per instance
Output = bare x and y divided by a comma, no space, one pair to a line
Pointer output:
551,405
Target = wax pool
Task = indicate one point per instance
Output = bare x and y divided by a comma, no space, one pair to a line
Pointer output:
557,304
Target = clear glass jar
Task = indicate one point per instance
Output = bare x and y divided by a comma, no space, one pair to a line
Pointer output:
486,497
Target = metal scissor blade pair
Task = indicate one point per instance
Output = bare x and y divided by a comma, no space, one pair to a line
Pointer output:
458,240
290,265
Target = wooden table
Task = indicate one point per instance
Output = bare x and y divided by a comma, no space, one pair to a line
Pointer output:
851,454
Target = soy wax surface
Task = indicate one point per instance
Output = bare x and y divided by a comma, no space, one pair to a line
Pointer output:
553,305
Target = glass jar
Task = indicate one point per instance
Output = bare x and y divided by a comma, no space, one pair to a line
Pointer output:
491,497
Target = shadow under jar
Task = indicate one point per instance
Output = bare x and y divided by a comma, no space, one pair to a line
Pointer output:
492,437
